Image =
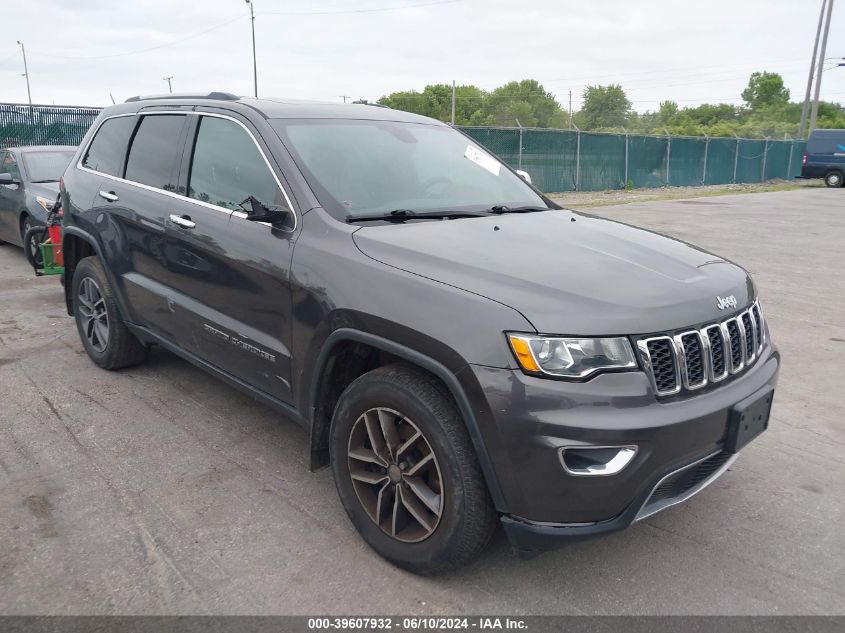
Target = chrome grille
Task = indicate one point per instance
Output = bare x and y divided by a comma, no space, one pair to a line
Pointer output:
734,345
662,354
718,358
692,359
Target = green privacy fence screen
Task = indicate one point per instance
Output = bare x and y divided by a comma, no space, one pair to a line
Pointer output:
567,160
44,125
558,160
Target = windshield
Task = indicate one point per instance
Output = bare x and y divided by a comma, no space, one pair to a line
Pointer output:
359,168
47,166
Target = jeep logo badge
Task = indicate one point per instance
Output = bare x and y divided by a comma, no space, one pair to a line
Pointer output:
725,302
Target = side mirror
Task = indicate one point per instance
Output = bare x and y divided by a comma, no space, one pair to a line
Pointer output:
257,211
7,179
524,175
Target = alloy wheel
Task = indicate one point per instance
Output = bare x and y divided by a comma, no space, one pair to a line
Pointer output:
395,474
95,319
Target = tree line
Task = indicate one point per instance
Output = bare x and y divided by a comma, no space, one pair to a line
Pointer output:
766,110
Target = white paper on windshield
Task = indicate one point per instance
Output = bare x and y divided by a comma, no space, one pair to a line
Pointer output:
483,160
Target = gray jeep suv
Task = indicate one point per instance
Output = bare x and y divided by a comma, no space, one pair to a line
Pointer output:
461,351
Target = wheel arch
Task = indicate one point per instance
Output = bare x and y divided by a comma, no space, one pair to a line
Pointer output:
359,343
76,246
22,215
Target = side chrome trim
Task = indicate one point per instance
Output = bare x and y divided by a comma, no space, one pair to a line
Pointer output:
668,503
207,205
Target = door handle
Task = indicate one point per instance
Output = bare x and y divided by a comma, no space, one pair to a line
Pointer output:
111,196
183,221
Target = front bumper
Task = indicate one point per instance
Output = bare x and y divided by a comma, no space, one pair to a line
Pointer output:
527,420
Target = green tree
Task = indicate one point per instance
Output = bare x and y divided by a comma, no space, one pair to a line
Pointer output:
765,89
526,101
436,101
604,107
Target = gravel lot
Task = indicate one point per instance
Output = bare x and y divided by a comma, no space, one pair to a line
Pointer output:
160,490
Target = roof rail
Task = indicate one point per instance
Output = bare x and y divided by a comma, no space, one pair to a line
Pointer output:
219,96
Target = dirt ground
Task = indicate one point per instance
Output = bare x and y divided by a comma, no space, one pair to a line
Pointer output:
587,199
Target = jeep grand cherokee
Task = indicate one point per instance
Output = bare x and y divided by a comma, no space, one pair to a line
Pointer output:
461,351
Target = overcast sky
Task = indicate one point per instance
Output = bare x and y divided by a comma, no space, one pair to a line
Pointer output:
80,51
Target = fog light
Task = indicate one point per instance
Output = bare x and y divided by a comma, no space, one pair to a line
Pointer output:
592,461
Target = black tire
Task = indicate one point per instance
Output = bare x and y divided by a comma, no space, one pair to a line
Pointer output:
834,179
31,238
119,347
467,519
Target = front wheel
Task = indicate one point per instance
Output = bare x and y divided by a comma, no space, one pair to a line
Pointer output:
106,338
406,471
833,179
31,238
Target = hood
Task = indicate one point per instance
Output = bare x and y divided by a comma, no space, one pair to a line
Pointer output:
49,190
566,272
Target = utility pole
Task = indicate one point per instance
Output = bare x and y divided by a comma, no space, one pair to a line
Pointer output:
453,102
815,110
169,86
344,97
26,74
805,110
254,61
570,109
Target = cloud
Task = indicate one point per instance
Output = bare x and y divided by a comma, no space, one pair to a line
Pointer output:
656,49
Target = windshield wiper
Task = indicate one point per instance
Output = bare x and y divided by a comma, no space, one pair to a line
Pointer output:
401,215
501,208
43,181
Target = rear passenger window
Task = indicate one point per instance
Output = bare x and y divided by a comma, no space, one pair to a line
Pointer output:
227,167
154,150
108,149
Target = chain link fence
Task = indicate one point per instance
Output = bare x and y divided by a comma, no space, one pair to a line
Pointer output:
44,125
558,160
569,160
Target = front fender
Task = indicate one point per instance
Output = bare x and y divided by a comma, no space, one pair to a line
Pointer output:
434,367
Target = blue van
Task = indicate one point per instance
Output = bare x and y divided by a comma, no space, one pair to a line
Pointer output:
825,157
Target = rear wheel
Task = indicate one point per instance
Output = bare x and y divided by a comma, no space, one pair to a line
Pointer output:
406,471
833,179
106,338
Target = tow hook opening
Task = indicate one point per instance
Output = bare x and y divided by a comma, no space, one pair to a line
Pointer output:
592,461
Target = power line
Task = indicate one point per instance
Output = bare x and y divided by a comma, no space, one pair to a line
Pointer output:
418,5
149,48
222,24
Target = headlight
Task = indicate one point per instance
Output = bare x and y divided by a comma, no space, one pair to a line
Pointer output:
571,357
45,204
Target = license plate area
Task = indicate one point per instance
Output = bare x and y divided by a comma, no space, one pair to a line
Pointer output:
748,419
